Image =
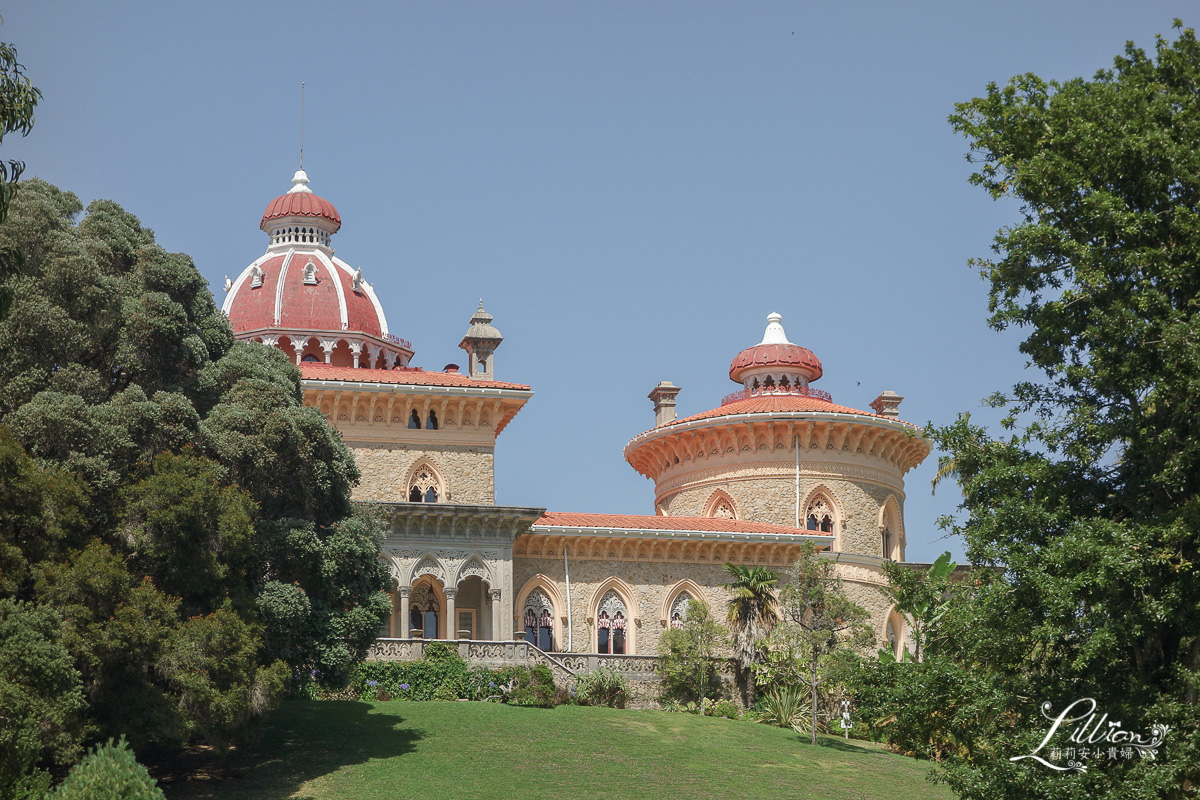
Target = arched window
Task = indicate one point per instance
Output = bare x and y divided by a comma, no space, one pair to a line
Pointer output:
310,358
679,609
819,516
414,420
431,494
431,421
310,273
721,506
539,620
610,624
423,611
424,484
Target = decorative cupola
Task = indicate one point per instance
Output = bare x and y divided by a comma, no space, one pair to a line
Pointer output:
305,301
300,217
480,342
775,363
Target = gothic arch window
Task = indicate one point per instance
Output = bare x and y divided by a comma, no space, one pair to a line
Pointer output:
425,484
818,516
423,610
539,620
612,620
679,610
414,420
891,530
721,506
431,422
310,273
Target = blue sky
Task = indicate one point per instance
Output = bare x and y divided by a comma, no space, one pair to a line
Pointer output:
630,187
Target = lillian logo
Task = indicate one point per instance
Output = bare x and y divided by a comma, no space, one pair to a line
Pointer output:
1091,739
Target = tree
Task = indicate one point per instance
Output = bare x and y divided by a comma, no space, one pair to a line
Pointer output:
1089,507
922,597
751,615
686,654
40,699
820,617
218,554
18,98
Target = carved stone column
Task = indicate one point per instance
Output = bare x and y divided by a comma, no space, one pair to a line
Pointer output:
497,613
451,616
405,623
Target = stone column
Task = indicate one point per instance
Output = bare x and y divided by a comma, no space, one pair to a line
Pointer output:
497,614
451,617
405,623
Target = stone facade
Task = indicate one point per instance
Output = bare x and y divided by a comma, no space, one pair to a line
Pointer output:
766,493
465,472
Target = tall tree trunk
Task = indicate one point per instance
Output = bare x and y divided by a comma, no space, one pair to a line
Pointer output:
812,674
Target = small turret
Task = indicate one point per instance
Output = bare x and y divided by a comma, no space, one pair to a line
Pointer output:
480,342
663,397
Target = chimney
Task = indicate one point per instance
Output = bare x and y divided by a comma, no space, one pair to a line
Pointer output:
887,405
663,397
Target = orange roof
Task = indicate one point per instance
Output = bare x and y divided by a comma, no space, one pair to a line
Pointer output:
768,403
645,522
412,377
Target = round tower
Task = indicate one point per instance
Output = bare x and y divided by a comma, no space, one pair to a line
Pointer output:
305,301
779,451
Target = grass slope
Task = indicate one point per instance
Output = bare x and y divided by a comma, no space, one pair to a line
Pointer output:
355,751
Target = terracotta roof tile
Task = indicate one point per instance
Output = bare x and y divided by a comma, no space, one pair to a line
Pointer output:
768,403
412,377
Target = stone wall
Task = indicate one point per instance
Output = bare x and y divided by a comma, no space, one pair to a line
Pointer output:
773,500
650,584
466,472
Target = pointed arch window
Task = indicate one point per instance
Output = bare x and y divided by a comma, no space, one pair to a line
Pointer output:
610,625
431,422
423,486
539,620
414,420
819,516
423,611
679,610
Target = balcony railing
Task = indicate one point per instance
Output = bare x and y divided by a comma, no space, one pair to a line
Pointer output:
768,391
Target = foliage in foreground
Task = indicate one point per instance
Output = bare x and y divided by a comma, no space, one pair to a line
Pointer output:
1082,521
687,656
444,675
604,687
108,772
164,493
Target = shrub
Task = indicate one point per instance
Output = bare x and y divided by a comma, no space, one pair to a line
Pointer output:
726,708
604,687
422,678
446,692
109,772
533,687
786,707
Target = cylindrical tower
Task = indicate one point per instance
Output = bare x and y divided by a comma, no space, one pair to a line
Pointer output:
781,452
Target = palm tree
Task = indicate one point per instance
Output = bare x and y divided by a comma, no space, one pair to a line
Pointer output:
751,615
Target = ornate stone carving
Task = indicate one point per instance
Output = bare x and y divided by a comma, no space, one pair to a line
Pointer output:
428,566
538,601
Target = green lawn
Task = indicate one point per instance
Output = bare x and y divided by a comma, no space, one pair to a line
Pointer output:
357,751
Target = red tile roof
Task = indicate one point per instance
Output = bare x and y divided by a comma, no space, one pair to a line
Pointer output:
764,355
659,523
768,403
301,204
413,377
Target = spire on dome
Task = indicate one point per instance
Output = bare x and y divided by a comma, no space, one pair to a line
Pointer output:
300,183
774,333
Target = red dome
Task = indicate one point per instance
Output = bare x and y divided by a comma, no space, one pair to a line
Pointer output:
791,356
324,301
301,204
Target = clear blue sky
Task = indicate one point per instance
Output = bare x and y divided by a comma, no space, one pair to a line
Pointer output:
630,187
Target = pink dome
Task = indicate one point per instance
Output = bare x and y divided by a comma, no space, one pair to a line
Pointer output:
788,356
301,204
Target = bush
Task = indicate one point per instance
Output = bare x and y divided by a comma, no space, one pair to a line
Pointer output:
533,687
726,708
414,680
446,692
109,772
604,687
786,707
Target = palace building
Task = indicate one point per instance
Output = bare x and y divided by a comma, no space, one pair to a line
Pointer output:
776,464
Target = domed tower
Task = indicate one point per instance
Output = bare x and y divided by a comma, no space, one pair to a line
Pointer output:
779,451
302,299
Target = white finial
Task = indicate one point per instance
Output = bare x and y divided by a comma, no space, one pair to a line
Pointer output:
228,283
300,183
774,333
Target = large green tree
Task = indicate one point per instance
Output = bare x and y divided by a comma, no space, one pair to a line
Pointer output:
173,500
1086,515
18,98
